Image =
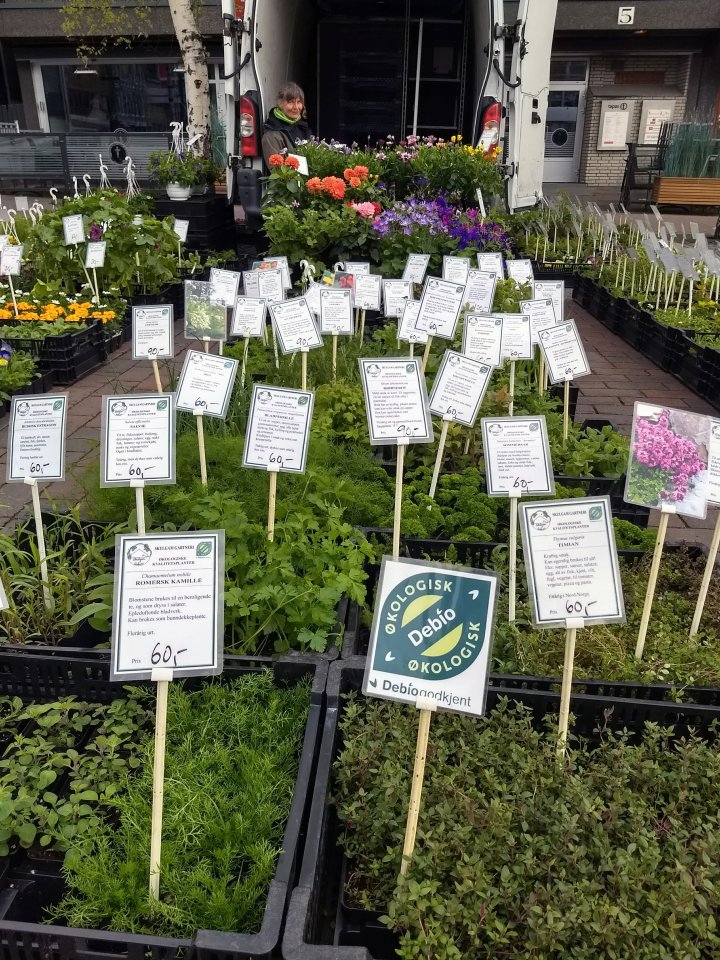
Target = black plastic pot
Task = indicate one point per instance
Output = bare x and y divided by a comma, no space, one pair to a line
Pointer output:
320,925
87,677
41,384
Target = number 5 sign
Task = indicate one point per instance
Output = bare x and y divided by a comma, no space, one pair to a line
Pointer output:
626,16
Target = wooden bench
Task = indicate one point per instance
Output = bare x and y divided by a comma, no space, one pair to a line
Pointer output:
688,191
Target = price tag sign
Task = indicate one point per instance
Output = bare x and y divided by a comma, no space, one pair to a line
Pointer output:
713,495
395,293
73,229
551,290
3,598
357,267
480,291
571,561
278,429
416,267
368,291
168,604
266,284
563,351
541,314
138,439
225,284
11,260
251,284
248,319
440,307
517,456
491,263
181,229
295,326
396,400
482,338
95,255
21,203
481,202
407,331
36,442
336,311
282,264
516,338
205,312
206,383
455,269
152,332
431,635
520,271
459,388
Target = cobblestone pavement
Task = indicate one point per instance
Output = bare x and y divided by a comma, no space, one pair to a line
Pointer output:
620,376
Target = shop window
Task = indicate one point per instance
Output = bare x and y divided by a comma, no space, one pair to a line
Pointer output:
568,70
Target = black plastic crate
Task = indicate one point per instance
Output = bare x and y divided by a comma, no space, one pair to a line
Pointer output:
72,355
87,677
319,925
556,271
709,381
41,384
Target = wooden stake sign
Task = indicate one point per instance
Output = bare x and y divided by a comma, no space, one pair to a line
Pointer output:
416,267
248,320
137,440
713,500
566,360
482,338
153,336
517,463
573,575
430,646
336,318
277,436
668,460
179,635
296,330
36,452
204,389
456,396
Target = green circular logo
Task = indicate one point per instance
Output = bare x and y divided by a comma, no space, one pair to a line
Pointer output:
433,624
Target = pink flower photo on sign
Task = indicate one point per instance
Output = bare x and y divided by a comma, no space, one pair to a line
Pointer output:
668,459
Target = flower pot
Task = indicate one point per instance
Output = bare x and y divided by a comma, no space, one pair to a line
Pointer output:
176,191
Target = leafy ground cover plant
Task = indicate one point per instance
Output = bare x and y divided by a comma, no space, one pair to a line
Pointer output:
77,558
17,370
59,777
232,757
611,853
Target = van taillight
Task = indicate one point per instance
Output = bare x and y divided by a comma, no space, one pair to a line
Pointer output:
248,128
490,136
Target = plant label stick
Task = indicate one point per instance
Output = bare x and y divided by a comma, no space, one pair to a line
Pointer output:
491,263
455,269
517,462
205,312
137,439
520,271
179,635
440,306
181,231
551,290
482,338
429,647
205,383
395,293
295,326
336,317
199,414
480,291
407,331
10,266
457,394
278,429
416,267
573,574
73,230
714,500
153,336
368,291
3,598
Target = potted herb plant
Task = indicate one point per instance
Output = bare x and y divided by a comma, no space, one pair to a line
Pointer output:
177,172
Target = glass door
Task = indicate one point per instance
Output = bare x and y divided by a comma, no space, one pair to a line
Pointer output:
565,120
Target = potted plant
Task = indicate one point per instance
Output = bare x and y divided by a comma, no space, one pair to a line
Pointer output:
177,172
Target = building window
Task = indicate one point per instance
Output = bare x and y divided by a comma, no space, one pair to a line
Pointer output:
568,70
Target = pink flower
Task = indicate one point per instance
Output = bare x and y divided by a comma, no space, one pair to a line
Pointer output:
366,209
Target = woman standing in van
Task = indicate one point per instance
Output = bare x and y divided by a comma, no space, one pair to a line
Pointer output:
286,124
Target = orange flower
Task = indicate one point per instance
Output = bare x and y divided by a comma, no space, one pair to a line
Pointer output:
314,185
291,162
275,160
347,173
355,181
361,172
334,186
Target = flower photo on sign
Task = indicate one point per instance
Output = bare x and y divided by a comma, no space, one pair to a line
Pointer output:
205,312
668,459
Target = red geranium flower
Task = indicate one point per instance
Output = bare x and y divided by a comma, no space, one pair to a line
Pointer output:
291,162
275,160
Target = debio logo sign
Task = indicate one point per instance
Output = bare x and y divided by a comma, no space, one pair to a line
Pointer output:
432,627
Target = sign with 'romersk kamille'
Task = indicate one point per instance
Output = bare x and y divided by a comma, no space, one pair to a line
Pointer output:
431,635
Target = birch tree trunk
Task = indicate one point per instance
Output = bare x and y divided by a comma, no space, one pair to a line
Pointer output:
197,85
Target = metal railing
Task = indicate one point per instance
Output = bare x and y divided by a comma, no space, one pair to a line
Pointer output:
53,159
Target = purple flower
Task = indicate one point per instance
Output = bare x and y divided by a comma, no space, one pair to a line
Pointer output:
95,232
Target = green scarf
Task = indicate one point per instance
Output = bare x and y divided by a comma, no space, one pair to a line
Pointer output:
281,116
